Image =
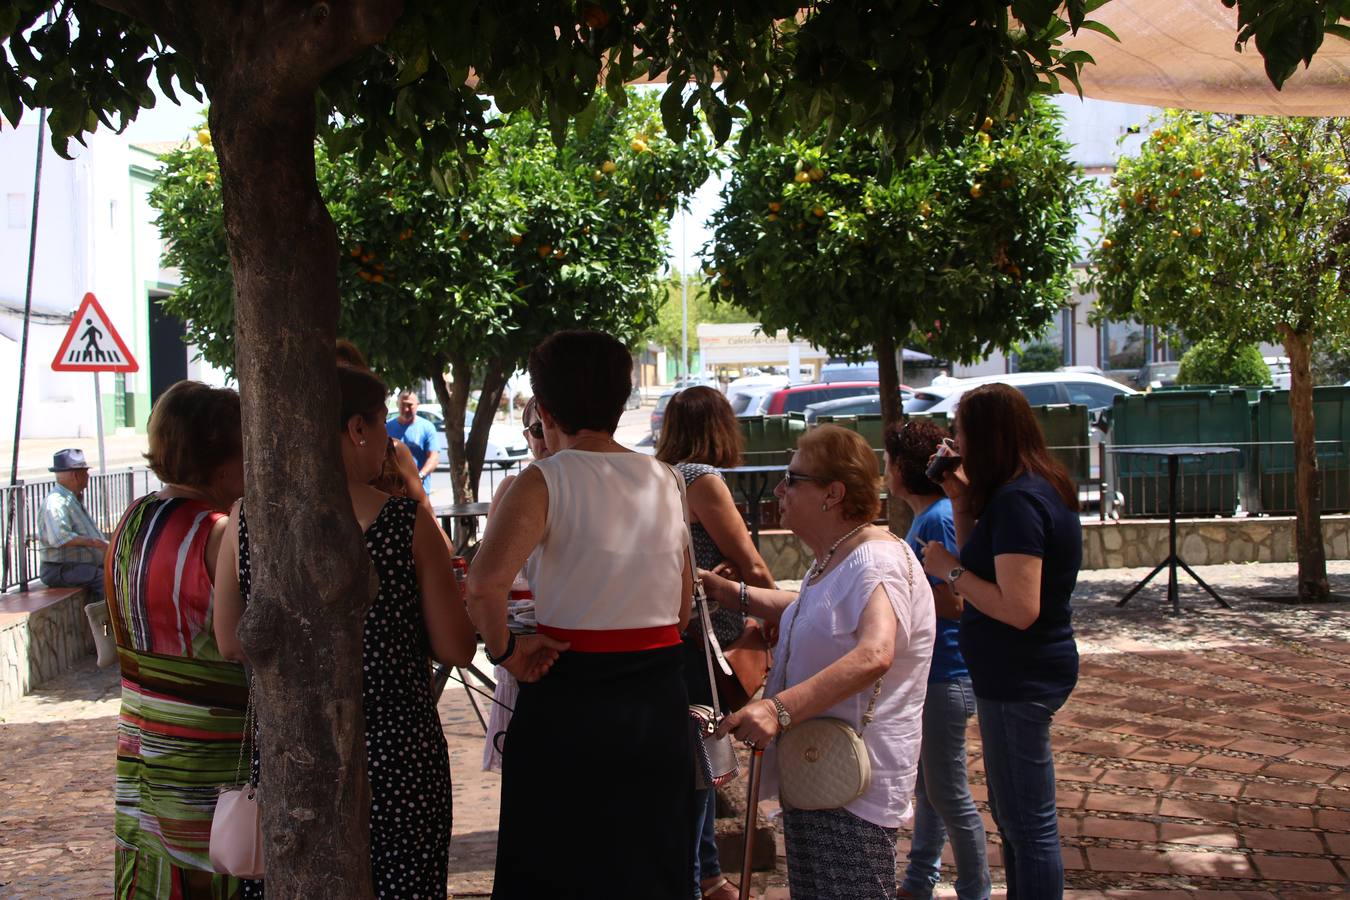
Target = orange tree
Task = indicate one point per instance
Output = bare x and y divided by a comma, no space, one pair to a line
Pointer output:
1238,228
412,77
470,277
961,249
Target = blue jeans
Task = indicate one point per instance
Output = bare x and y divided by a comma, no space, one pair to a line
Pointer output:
1020,770
943,806
706,862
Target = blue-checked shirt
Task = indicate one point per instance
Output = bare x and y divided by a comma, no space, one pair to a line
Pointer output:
63,518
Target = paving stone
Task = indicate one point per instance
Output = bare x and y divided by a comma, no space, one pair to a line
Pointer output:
1283,840
1197,835
1211,865
1298,868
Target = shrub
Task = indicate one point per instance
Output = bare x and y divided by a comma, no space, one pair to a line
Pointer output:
1040,358
1219,360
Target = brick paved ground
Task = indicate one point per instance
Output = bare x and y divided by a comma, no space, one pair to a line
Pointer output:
1204,756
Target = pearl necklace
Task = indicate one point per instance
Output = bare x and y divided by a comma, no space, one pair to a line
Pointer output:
819,567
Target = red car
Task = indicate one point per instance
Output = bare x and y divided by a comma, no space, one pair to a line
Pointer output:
798,397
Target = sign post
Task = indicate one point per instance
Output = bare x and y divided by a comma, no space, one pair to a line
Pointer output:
92,344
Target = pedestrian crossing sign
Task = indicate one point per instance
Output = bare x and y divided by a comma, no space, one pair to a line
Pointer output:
92,344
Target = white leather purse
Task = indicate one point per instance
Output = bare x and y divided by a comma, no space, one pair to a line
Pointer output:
236,846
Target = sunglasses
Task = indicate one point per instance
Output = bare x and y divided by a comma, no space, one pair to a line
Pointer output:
793,478
535,430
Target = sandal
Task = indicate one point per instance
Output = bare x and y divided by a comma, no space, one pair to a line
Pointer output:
721,890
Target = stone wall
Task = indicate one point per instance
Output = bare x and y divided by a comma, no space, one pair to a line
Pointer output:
1138,542
39,645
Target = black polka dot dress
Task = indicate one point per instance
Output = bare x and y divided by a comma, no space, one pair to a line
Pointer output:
407,758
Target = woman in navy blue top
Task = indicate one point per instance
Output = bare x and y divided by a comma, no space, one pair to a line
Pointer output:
1016,515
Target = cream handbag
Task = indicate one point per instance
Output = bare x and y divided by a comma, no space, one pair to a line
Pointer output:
823,762
236,846
100,626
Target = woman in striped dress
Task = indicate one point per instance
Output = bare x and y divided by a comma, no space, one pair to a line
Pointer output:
181,722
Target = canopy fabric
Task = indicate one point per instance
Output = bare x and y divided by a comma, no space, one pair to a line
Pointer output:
1179,53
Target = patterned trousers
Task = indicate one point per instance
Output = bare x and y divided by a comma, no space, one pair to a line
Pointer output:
834,855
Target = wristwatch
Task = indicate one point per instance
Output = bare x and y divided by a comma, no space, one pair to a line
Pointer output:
784,717
955,574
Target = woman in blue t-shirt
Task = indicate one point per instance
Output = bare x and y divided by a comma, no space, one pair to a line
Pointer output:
943,806
1016,515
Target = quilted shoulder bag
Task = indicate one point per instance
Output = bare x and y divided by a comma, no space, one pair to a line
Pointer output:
236,846
823,762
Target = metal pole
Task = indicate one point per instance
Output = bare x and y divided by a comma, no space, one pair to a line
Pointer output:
684,294
28,294
98,419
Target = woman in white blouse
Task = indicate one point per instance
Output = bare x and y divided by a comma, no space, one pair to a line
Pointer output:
864,615
600,736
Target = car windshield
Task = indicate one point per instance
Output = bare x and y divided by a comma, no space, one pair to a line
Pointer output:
741,403
663,401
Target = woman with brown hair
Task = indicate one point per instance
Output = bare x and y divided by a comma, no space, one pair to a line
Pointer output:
1016,515
854,645
182,714
699,436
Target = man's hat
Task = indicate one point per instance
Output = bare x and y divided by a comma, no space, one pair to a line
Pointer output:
67,460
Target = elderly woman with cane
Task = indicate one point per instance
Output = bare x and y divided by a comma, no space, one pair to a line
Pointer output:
853,653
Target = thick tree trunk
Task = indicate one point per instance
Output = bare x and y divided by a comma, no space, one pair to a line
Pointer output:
454,400
1312,557
311,578
898,514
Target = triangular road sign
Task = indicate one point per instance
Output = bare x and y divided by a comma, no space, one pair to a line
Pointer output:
92,344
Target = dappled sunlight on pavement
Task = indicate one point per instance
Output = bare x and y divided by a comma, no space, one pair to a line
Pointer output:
1202,756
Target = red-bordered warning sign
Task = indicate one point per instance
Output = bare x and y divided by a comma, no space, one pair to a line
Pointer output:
92,344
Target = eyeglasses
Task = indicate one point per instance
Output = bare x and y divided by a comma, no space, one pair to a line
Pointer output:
793,478
535,430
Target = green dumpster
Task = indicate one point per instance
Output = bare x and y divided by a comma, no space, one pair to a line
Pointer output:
870,425
1205,486
770,434
1065,427
1273,464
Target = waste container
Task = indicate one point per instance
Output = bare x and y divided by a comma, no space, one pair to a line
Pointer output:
1273,460
870,425
1205,486
1065,427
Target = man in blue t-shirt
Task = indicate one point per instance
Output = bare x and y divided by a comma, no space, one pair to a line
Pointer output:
418,434
943,805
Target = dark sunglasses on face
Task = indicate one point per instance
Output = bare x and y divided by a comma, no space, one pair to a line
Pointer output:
535,430
793,478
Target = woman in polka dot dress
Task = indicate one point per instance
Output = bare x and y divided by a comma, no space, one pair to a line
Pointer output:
417,613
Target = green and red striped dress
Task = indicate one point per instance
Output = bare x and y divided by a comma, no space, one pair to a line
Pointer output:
182,716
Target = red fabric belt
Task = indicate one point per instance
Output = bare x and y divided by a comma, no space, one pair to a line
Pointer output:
619,640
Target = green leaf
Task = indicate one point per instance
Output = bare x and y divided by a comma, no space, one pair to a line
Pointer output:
1100,28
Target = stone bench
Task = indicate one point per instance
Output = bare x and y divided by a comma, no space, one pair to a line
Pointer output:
43,632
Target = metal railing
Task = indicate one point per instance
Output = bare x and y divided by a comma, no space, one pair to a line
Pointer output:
21,505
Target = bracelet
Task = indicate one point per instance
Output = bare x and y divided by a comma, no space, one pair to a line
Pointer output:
506,654
745,600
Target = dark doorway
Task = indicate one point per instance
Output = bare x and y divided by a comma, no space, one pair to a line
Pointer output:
168,352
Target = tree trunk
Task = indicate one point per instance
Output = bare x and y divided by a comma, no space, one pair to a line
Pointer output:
454,400
311,577
1312,557
898,514
489,398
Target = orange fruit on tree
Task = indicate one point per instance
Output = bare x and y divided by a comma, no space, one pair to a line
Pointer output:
1107,244
815,173
802,177
1196,231
608,167
818,212
977,190
986,124
544,250
516,240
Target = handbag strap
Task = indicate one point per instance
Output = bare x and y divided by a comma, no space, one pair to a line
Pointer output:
870,712
710,644
246,737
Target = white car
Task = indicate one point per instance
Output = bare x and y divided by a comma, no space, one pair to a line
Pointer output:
505,445
747,395
1040,388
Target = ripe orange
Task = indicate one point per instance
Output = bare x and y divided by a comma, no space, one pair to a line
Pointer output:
802,177
544,250
608,167
516,240
775,206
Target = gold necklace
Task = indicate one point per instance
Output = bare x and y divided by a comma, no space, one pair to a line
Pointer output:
819,567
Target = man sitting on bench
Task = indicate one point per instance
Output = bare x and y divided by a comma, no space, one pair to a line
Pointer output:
72,545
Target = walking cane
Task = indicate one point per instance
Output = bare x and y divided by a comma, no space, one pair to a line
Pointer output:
751,819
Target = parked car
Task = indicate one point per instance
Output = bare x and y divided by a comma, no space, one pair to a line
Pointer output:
798,397
746,394
1040,388
659,412
1156,374
1095,392
867,405
1280,374
839,371
505,446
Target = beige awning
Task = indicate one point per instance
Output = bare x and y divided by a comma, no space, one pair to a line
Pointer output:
1180,53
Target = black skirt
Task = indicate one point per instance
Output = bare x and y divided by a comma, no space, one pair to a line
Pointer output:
597,782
